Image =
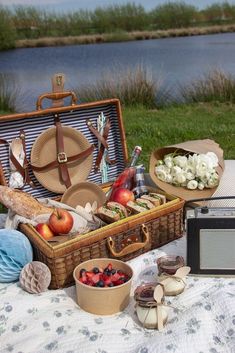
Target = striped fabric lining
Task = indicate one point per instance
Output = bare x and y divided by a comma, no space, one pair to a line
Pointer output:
77,119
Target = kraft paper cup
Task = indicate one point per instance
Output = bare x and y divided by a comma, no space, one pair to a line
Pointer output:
103,301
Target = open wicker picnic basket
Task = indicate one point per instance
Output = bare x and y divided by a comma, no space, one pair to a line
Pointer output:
124,239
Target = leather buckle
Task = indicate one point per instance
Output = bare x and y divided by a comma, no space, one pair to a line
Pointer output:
62,157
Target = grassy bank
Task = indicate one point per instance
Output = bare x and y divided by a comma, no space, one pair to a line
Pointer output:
156,128
121,36
33,26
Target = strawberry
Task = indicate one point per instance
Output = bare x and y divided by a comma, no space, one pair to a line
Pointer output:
115,277
95,278
89,274
118,282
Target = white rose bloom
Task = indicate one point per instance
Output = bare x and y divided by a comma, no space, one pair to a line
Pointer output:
202,172
201,185
162,168
162,175
176,170
195,160
169,178
180,178
190,175
192,184
168,160
181,161
213,181
214,158
206,162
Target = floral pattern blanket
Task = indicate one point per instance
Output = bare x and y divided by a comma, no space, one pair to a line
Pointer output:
201,319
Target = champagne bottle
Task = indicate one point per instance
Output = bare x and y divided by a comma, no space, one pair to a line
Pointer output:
126,178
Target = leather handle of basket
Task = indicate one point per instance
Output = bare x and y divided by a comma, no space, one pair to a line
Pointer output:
129,249
56,96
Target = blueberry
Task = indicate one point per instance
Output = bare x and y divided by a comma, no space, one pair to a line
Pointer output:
95,270
107,272
100,283
82,271
113,271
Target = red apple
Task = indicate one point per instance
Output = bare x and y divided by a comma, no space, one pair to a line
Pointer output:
122,195
61,221
44,230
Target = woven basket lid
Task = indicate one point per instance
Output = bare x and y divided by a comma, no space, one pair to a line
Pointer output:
44,151
82,193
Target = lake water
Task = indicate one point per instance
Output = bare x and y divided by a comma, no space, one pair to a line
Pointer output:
174,60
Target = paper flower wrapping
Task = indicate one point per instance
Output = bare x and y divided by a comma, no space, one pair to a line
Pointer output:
15,253
35,277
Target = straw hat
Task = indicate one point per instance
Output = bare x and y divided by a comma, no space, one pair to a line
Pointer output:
82,193
44,151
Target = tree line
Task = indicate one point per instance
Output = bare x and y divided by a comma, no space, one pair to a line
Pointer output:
27,22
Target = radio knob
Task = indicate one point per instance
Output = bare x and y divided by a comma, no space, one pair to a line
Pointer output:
204,210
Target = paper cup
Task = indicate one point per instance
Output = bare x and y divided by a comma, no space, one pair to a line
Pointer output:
103,301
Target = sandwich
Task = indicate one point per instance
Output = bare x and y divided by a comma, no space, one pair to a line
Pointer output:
156,199
157,196
145,203
139,205
111,212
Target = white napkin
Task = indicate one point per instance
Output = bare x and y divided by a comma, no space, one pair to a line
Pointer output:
81,224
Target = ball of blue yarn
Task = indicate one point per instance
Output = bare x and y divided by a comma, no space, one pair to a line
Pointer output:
15,253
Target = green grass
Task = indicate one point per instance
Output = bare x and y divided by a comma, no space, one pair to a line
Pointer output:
152,129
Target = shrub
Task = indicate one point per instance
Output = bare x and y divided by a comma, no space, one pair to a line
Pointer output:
173,15
7,30
214,86
9,93
132,87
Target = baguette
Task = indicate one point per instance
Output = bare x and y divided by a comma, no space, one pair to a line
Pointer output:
22,203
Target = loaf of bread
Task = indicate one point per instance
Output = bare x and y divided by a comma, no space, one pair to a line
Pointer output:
22,203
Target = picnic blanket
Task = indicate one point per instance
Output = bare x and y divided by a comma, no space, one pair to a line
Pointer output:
202,319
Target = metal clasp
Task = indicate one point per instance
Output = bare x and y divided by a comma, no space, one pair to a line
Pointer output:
62,157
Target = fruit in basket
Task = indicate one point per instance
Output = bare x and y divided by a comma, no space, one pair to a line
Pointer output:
44,230
103,278
61,221
122,196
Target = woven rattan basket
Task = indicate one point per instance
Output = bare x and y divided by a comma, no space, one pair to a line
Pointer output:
122,240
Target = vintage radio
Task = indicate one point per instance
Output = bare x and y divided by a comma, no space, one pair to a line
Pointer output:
211,240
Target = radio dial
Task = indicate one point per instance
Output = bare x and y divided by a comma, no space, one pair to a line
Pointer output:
204,210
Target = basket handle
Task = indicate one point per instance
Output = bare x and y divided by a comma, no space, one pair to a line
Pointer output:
56,96
128,249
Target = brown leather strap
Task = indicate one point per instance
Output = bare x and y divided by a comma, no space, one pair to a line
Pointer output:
61,155
25,173
100,138
23,170
73,158
103,140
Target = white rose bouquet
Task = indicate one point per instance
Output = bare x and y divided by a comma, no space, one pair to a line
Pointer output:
192,171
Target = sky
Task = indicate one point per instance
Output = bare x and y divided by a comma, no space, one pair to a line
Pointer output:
70,5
